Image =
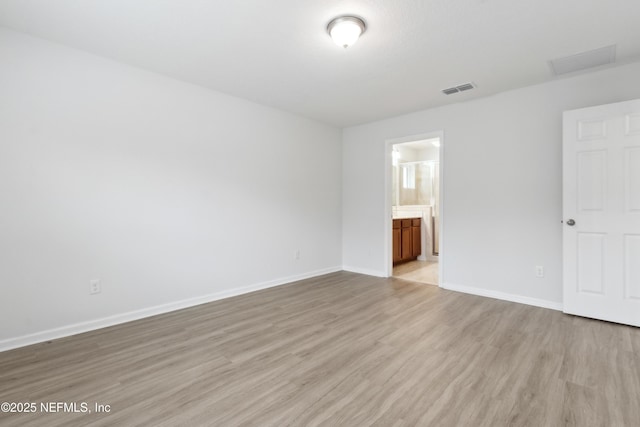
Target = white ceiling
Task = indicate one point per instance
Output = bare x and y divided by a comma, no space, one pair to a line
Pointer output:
278,53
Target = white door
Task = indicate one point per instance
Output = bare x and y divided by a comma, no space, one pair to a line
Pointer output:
601,208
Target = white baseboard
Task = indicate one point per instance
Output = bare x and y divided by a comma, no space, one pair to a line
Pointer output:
503,296
366,271
77,328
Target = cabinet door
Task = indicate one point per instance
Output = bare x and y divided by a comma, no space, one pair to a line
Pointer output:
416,240
406,243
397,253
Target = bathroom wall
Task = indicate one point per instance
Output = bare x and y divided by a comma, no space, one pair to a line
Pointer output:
428,153
419,190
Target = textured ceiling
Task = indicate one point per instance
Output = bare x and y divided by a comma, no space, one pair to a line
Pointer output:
277,53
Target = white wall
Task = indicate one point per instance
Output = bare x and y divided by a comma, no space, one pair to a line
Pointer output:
407,154
429,153
502,184
163,190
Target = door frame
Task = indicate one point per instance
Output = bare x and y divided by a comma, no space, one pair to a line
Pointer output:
388,212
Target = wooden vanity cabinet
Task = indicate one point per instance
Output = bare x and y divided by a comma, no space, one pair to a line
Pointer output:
416,238
406,242
406,239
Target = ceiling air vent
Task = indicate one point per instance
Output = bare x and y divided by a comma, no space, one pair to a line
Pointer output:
584,60
456,89
464,87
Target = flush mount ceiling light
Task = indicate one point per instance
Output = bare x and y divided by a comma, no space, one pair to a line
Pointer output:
345,30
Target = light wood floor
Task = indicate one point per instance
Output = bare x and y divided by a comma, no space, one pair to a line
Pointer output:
338,350
418,271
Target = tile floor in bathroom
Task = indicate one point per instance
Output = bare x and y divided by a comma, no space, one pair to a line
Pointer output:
418,271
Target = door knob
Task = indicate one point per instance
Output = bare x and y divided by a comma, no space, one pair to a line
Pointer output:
571,222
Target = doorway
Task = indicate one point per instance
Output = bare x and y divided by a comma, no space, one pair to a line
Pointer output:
414,201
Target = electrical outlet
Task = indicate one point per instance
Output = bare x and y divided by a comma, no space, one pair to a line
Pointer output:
95,287
297,254
539,271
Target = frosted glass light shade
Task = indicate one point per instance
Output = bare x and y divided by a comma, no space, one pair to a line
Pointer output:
346,30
